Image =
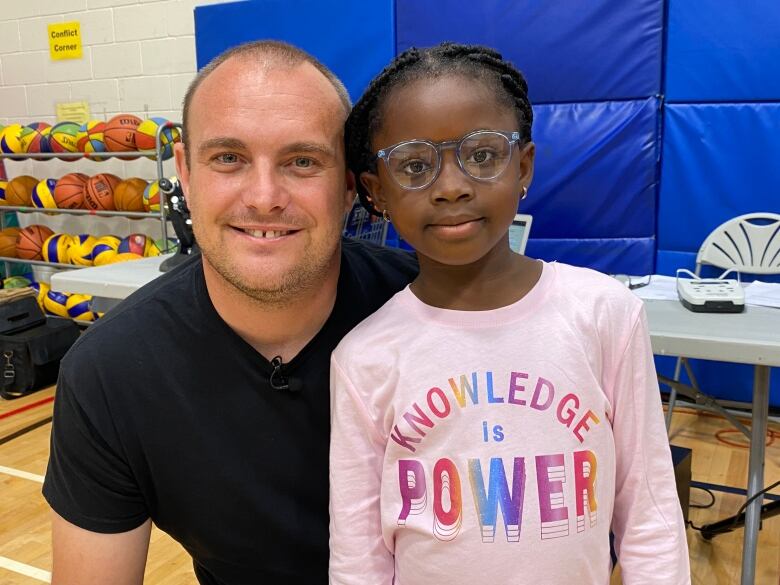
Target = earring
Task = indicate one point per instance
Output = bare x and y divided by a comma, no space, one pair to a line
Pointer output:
525,193
386,216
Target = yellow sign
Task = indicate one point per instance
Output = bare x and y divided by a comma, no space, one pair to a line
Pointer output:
73,112
65,40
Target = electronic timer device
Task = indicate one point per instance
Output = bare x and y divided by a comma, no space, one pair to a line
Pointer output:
710,295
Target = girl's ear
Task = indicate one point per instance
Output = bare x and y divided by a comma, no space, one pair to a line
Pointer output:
527,157
372,184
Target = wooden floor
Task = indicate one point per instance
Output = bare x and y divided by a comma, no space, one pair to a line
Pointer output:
25,555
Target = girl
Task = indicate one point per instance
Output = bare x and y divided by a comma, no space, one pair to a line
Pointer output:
494,420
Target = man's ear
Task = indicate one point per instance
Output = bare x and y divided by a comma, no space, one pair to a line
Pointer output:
351,191
182,169
372,184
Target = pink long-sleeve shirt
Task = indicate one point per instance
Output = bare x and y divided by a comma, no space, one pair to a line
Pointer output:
502,446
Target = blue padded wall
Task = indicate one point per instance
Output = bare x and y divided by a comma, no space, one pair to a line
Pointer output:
354,39
569,50
722,50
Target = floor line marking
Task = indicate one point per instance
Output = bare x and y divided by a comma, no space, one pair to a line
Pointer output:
27,407
22,474
26,570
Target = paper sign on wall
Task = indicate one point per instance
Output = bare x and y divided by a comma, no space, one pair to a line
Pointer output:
65,40
73,112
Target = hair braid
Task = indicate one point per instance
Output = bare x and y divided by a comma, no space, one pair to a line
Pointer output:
473,61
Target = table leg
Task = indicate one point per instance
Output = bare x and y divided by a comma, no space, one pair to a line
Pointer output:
755,472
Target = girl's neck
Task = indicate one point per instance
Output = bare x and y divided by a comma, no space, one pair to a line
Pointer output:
496,280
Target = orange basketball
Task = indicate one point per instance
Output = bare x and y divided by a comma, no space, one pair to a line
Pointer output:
129,195
120,133
30,241
19,191
69,191
99,194
8,238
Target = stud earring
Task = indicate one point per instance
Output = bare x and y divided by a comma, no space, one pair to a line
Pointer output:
386,216
525,193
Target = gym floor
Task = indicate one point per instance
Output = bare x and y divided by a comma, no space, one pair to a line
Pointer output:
719,458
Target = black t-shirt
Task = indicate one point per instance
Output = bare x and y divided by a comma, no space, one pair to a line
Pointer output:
164,412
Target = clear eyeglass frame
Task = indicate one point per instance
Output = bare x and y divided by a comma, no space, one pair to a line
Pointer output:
512,138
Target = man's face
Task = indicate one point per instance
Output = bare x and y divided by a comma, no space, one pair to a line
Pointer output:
266,185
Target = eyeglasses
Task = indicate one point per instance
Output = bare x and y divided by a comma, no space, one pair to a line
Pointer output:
482,155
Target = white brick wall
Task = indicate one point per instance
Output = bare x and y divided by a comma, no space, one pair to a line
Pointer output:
138,58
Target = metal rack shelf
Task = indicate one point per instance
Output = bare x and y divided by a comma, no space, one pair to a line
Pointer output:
40,263
57,210
99,156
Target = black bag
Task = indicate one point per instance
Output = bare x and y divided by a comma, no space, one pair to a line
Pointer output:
30,359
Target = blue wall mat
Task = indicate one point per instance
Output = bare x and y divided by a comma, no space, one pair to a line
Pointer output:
723,380
719,161
569,50
355,39
612,256
722,50
596,167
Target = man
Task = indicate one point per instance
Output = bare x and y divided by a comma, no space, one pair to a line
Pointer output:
202,402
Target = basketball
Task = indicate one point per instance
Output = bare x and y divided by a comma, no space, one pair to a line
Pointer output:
62,138
8,238
120,133
135,244
99,194
56,303
146,134
104,250
43,194
81,250
152,197
125,257
55,248
35,137
90,138
11,140
30,241
129,195
40,288
19,190
80,307
70,189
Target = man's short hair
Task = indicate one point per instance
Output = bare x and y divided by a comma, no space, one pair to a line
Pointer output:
273,53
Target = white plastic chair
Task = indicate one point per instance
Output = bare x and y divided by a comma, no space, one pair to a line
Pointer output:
748,243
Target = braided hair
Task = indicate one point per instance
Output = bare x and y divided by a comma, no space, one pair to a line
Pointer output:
472,61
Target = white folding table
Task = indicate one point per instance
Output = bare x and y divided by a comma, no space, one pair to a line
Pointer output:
752,337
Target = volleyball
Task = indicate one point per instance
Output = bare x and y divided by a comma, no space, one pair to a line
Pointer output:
147,132
152,197
69,191
90,138
55,248
11,140
80,307
99,194
35,137
172,245
56,303
30,241
8,238
62,138
129,195
136,244
120,132
42,195
16,282
104,250
82,249
18,192
125,257
41,288
3,185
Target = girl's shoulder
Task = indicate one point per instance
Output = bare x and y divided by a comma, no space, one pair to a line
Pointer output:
591,286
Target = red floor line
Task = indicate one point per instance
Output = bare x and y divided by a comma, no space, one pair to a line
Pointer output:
27,407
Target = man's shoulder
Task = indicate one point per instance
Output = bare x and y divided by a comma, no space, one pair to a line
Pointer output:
371,260
142,318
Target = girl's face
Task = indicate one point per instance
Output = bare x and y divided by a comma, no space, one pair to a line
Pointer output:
457,219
